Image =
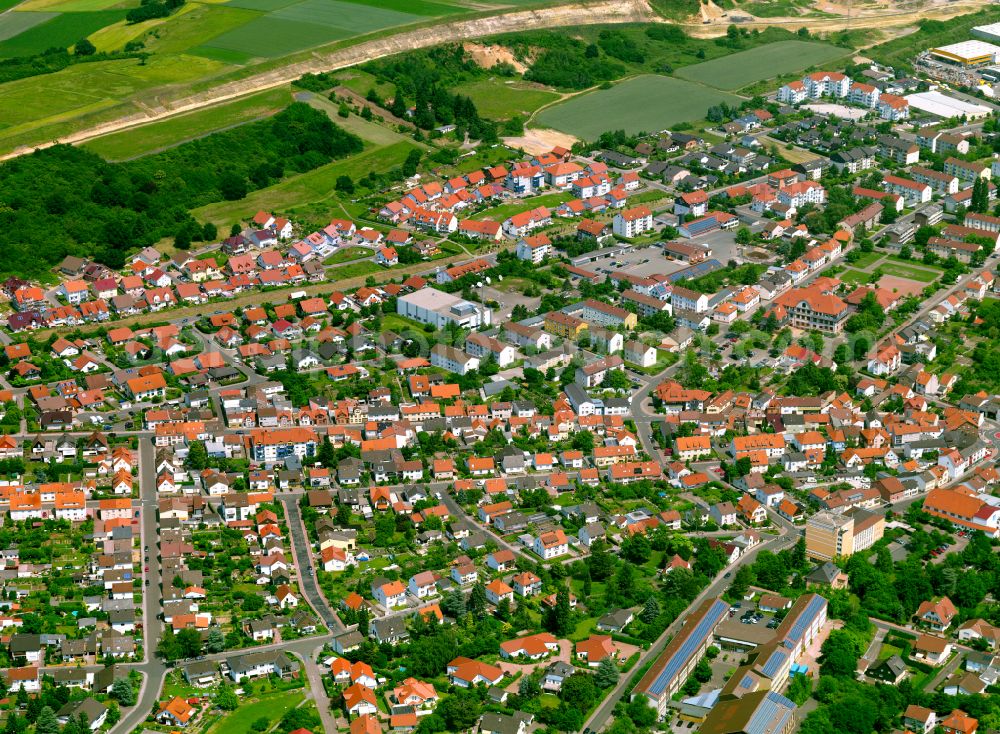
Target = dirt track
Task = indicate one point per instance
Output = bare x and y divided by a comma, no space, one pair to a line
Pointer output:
584,13
875,18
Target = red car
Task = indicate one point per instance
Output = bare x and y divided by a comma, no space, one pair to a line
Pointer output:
147,568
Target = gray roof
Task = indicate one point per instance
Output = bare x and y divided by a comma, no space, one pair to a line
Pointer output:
89,707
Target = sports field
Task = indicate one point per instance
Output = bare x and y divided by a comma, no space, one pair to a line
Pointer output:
911,272
174,131
644,103
501,100
764,62
852,276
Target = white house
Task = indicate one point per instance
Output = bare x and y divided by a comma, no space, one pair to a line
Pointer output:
632,222
551,544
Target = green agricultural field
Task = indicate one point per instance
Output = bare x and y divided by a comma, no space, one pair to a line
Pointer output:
283,37
500,100
910,272
43,107
176,130
66,6
63,30
301,24
196,24
644,103
417,7
764,62
200,45
12,24
343,16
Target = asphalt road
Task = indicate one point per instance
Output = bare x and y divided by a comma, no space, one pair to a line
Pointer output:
152,668
788,535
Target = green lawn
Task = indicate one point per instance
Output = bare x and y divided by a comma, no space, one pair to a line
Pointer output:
887,651
176,130
500,99
764,62
500,213
353,271
916,264
902,270
361,81
371,132
867,259
853,276
583,629
400,324
313,187
643,104
271,706
347,254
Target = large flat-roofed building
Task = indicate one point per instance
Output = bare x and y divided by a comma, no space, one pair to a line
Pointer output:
431,306
678,659
989,32
943,105
968,53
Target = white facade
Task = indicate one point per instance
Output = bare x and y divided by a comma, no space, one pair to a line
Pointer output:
431,306
632,222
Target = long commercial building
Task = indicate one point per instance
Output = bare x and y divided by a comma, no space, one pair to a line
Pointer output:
969,511
678,659
431,306
750,701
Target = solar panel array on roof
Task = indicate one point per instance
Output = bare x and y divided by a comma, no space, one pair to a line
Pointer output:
771,715
696,270
692,635
804,619
774,662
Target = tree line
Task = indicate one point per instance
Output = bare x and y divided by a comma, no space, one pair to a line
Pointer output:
68,201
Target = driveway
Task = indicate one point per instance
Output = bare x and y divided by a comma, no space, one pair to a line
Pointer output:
565,654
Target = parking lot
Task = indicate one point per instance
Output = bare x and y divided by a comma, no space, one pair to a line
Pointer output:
642,261
938,554
508,296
